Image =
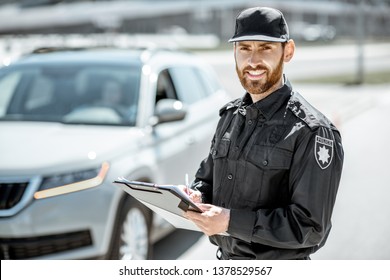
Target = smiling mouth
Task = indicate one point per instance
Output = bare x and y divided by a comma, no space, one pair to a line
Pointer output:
255,74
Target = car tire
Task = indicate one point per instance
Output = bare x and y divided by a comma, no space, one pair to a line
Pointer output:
131,238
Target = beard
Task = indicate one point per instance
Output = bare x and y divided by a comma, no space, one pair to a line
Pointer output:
258,87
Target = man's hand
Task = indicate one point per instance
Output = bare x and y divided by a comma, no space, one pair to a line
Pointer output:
195,196
212,221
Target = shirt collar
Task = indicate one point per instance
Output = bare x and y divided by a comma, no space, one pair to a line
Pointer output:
270,104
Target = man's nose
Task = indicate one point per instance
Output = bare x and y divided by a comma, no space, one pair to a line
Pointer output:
255,59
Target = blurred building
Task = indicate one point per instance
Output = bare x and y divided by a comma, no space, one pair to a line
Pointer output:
309,20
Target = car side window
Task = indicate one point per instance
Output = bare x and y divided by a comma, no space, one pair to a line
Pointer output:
209,80
165,88
189,86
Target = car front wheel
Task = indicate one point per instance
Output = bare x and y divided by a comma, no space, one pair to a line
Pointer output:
132,233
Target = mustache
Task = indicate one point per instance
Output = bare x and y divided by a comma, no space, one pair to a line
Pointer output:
249,68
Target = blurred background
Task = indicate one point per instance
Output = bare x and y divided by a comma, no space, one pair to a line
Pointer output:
341,65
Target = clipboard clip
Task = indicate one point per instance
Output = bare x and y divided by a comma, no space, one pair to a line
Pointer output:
183,206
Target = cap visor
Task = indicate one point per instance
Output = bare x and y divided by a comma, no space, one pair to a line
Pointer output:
258,38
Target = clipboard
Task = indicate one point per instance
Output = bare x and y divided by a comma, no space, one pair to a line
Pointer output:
169,201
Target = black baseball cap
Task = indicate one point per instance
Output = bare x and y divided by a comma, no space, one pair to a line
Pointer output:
261,24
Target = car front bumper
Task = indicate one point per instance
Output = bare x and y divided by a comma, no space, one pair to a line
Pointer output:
71,226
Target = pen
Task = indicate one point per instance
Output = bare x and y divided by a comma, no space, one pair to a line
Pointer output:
187,184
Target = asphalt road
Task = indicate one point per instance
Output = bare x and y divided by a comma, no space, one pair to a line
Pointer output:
361,226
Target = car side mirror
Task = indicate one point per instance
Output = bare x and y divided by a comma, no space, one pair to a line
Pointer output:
168,110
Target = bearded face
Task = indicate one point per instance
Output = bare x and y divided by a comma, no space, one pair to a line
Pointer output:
272,76
262,73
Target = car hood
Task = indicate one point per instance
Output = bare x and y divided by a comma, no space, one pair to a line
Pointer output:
32,147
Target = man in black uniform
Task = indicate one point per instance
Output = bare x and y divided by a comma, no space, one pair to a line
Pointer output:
269,184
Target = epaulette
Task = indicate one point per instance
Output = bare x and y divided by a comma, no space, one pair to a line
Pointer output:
232,104
307,113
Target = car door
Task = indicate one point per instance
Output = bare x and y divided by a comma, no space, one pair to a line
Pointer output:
202,111
184,144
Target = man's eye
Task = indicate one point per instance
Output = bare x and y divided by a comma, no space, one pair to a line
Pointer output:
265,48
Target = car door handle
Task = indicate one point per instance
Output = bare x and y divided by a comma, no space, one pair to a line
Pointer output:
191,140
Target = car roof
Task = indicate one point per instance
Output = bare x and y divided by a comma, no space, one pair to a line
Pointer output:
93,56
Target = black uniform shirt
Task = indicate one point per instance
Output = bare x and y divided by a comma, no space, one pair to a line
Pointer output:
276,164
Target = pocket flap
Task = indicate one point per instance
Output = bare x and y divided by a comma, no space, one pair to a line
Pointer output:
221,149
270,157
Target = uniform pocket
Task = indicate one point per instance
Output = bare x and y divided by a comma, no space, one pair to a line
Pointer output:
219,155
221,148
266,176
269,158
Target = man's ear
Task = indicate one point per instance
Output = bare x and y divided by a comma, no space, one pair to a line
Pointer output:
289,50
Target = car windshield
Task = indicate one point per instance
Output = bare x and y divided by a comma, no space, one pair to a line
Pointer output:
77,94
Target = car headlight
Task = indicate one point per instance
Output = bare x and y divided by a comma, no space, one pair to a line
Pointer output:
71,182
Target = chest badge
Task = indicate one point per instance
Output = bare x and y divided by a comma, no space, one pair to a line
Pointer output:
323,151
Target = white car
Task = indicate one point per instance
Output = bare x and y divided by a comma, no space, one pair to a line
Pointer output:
72,122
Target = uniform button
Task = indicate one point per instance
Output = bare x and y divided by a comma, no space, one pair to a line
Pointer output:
250,122
223,204
236,148
230,176
265,162
214,153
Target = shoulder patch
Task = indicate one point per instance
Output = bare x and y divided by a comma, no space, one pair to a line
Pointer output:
307,113
323,151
